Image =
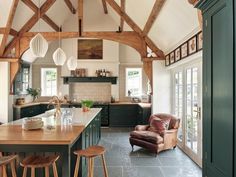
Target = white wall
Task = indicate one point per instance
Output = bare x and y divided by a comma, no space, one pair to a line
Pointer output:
6,112
161,88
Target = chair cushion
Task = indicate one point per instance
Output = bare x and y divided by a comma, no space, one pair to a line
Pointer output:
159,125
147,136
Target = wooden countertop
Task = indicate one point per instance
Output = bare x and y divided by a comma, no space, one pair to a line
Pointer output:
60,134
143,105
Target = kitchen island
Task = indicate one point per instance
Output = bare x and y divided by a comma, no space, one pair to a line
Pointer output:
54,138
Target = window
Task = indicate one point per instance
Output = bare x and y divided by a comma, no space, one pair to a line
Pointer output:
178,95
133,82
48,81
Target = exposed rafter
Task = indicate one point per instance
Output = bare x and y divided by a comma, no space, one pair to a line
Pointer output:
104,4
30,23
122,5
8,26
70,6
80,16
136,28
9,59
12,31
47,19
153,15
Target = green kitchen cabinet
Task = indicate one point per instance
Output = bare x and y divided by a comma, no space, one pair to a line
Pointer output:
144,114
218,88
123,115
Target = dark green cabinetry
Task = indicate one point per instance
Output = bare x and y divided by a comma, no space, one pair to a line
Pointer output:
218,88
144,114
128,115
30,111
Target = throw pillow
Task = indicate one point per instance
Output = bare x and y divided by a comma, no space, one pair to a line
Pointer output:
159,125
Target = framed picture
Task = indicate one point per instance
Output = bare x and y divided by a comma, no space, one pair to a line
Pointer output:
192,45
90,49
167,60
177,54
172,57
184,50
199,41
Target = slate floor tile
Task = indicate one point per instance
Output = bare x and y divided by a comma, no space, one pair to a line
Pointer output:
122,162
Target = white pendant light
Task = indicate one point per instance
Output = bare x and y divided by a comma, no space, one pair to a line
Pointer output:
72,63
59,57
39,45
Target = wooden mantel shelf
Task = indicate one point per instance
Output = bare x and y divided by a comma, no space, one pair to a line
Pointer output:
72,79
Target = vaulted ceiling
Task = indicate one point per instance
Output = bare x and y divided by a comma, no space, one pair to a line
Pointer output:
174,22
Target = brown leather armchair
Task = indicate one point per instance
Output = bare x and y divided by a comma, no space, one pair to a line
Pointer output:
145,137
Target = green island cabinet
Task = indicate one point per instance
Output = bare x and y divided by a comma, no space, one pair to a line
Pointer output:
219,88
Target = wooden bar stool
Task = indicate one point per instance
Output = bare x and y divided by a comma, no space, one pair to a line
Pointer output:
36,161
4,161
90,153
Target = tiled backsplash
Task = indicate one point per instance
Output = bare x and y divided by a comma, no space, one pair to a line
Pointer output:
91,91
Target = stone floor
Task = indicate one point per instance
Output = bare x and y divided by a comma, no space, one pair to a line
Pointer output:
122,162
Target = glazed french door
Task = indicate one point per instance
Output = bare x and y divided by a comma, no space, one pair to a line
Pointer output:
187,106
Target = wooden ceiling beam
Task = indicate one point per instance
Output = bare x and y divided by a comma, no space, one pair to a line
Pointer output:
51,23
8,26
153,15
30,23
122,5
47,19
104,4
12,31
137,29
80,16
70,6
8,59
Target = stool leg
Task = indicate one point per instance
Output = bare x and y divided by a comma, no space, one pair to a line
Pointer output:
77,166
4,171
104,166
89,167
25,172
32,172
55,169
46,171
13,170
92,166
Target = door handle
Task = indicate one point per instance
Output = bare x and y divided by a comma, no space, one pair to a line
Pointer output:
198,113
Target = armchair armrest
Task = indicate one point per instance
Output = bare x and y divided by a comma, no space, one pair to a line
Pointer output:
141,127
171,131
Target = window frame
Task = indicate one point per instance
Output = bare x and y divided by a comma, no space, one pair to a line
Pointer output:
140,70
43,80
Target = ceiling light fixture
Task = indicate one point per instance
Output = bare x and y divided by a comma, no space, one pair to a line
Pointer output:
72,63
59,56
38,44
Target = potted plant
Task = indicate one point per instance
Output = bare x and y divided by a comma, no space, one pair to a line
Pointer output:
86,105
34,93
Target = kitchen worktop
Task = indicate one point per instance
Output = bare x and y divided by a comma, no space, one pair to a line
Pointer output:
74,103
53,132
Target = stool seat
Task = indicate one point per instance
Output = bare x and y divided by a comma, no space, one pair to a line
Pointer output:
7,159
91,151
37,161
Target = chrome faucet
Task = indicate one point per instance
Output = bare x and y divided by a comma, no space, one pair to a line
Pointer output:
56,102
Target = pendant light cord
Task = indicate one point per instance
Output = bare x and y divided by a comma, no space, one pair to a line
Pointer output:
39,15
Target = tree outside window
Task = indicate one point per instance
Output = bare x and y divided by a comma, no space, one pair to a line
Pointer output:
49,81
133,82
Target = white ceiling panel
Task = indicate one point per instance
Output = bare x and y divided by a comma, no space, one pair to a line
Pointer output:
23,14
176,20
139,10
5,7
59,12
